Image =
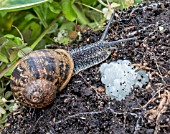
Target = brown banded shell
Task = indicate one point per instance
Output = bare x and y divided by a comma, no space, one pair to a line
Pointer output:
40,75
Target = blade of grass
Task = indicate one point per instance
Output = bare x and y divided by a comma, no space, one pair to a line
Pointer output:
90,7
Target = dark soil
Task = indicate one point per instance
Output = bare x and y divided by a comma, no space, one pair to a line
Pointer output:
84,108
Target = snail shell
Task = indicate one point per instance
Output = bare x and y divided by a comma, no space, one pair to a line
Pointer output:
40,75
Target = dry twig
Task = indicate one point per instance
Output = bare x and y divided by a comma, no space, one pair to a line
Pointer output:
155,114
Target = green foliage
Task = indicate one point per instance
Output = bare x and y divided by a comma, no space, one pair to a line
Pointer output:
15,5
7,104
31,24
67,9
11,49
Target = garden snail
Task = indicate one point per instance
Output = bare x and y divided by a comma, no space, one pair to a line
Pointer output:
38,76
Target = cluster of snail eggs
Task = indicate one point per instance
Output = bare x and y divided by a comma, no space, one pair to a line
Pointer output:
120,77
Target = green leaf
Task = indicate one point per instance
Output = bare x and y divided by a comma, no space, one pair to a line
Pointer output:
9,72
18,40
24,51
30,17
8,94
3,42
13,56
15,5
67,26
35,30
89,2
137,1
3,58
53,29
65,41
41,12
1,102
2,90
2,110
3,119
2,67
54,7
67,10
15,39
12,107
80,16
9,36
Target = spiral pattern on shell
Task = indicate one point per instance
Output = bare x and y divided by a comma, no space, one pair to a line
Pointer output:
40,75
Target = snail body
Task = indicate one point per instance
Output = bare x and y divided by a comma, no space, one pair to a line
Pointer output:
41,74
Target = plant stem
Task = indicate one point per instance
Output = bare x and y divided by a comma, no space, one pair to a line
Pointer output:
22,38
91,7
7,69
45,31
101,2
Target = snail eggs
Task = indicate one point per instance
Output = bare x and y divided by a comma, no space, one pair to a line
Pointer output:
120,77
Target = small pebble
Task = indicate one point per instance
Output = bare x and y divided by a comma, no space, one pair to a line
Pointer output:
100,89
